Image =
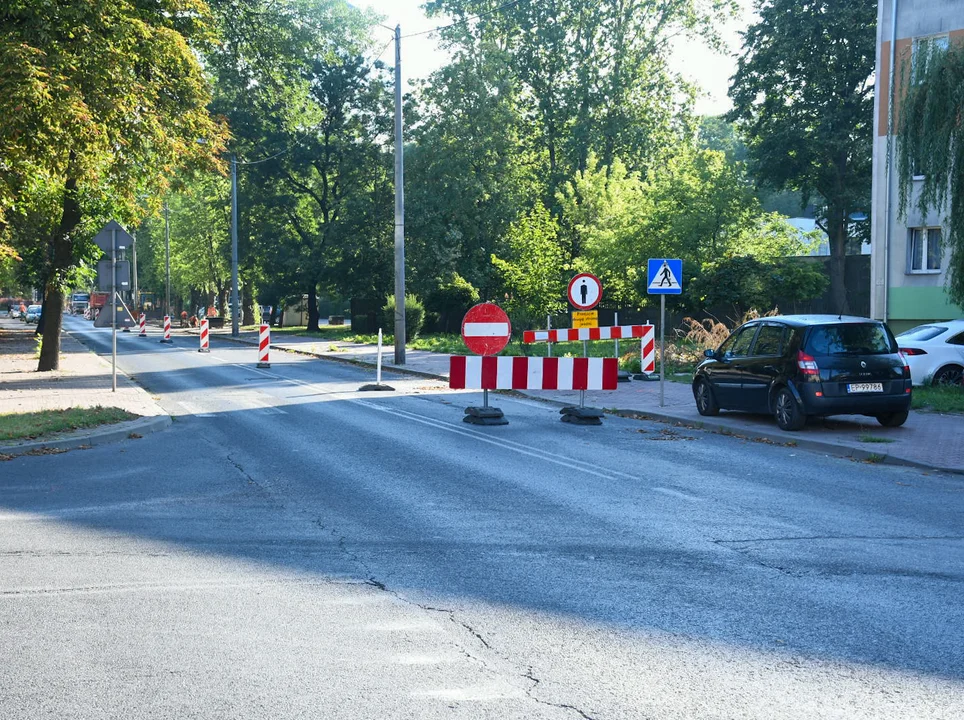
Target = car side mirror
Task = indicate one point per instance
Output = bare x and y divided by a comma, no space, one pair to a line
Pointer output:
709,353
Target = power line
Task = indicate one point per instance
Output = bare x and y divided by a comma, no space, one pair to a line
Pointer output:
464,21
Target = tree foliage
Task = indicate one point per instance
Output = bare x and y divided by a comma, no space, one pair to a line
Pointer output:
803,95
100,102
534,273
931,144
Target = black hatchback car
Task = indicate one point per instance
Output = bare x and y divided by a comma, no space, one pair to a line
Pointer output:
795,366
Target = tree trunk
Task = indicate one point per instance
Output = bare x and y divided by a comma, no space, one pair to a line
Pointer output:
247,302
837,232
312,308
63,260
40,320
222,301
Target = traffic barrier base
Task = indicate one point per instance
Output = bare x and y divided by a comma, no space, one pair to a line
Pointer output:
582,415
485,415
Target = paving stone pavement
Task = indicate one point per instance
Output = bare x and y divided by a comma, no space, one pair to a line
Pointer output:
83,380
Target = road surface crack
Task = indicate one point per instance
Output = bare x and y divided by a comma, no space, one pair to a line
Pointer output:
529,675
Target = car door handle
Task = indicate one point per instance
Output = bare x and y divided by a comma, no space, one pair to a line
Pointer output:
770,368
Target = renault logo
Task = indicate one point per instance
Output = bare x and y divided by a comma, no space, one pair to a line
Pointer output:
863,364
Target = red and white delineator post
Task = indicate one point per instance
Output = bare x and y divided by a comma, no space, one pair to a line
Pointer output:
167,331
205,337
264,344
142,324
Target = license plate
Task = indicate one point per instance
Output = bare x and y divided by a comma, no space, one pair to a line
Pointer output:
865,387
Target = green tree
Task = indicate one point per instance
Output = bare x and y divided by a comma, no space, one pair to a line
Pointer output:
310,117
589,76
931,144
803,96
697,206
534,273
100,102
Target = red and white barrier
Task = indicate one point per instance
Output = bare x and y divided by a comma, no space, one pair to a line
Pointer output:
205,337
532,373
615,332
264,344
142,323
167,330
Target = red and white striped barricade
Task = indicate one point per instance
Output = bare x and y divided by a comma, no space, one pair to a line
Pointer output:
142,324
532,373
205,336
264,344
167,331
646,334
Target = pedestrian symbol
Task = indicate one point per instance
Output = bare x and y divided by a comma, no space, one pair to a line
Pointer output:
665,277
585,291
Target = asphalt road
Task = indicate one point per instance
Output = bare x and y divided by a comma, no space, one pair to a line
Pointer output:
292,548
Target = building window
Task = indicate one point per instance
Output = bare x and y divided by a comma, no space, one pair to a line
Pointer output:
925,250
923,50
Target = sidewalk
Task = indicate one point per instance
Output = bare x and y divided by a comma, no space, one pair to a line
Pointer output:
84,380
927,440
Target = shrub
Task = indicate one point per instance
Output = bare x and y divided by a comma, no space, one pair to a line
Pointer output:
414,316
448,303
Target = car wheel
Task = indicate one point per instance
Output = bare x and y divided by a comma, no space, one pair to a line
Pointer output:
705,402
787,411
895,419
949,375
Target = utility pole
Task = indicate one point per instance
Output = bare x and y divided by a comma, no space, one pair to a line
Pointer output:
399,208
135,298
235,307
167,261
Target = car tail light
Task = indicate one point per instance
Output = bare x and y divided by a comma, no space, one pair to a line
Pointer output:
912,351
906,366
807,364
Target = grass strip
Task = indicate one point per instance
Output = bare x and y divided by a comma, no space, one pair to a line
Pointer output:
32,425
939,398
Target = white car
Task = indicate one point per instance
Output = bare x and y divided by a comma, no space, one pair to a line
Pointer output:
935,352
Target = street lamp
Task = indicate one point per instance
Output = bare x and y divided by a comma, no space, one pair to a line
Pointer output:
399,201
167,260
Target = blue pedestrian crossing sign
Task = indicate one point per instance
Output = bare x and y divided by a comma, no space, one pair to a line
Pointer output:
665,277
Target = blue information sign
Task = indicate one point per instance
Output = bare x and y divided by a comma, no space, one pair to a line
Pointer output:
665,277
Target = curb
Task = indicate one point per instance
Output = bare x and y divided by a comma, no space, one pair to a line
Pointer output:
89,438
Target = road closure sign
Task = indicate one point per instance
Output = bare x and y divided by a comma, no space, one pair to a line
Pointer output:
486,329
585,291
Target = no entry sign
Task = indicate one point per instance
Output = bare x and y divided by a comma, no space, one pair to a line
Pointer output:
486,329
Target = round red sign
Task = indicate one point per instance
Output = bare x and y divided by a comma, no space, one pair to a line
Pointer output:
486,329
585,291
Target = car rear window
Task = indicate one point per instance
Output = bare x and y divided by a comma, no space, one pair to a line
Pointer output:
850,339
922,333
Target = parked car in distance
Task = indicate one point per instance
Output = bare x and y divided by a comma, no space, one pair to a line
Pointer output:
33,314
800,366
14,311
935,352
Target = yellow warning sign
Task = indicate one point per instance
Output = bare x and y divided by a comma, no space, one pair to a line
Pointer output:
585,319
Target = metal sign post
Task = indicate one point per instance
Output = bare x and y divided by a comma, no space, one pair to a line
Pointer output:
113,308
665,277
662,349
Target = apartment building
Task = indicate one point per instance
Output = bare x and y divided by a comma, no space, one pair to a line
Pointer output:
908,261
